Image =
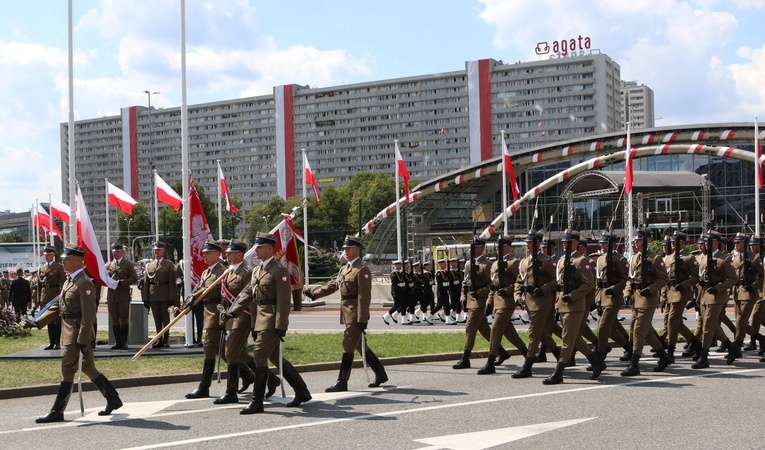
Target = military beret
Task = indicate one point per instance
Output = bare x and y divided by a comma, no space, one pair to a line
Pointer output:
73,250
264,239
351,241
235,245
211,246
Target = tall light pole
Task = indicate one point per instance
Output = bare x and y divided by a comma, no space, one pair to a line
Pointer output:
151,163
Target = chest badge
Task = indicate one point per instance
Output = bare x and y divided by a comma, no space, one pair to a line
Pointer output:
284,279
88,292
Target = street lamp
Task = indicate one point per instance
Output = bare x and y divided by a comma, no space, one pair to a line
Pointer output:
151,161
265,222
132,256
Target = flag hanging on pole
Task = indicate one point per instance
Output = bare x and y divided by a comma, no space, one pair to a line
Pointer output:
167,195
224,189
86,238
629,175
59,210
285,250
402,172
507,165
120,199
44,221
758,155
200,233
309,179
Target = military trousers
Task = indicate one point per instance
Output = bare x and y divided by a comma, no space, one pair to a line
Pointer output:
476,323
236,345
643,330
503,326
212,341
744,310
352,338
609,327
538,324
571,335
758,315
119,312
675,324
710,318
161,315
71,359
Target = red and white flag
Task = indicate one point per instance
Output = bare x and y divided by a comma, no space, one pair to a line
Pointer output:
59,210
402,172
43,221
224,190
120,199
166,194
86,238
507,166
200,233
758,155
628,177
285,250
309,179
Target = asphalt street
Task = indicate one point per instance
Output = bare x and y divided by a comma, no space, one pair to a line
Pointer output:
431,406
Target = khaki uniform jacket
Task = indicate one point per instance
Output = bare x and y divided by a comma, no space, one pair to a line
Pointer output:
269,297
656,279
723,277
159,281
481,285
753,277
510,276
355,284
77,309
211,302
581,283
236,281
687,276
546,282
51,279
125,273
618,279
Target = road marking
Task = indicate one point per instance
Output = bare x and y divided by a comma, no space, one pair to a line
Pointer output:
480,440
434,408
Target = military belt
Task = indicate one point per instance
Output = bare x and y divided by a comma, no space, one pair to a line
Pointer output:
212,301
51,286
349,297
71,316
159,283
267,302
603,283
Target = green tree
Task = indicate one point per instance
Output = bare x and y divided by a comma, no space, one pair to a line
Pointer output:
11,236
139,226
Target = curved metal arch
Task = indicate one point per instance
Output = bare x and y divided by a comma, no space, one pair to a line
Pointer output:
614,186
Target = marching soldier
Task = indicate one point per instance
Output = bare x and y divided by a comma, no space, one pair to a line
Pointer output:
159,291
269,299
443,282
51,277
456,290
411,296
683,278
77,310
118,300
503,302
213,329
421,287
648,275
612,273
748,267
398,292
429,280
758,312
576,282
355,284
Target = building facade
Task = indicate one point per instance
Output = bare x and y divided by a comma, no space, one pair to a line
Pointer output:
637,105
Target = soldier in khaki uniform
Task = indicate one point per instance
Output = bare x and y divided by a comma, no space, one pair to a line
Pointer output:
612,271
576,281
51,277
213,328
683,277
746,294
77,310
503,301
476,286
118,300
270,300
535,288
355,284
159,291
758,312
645,299
717,276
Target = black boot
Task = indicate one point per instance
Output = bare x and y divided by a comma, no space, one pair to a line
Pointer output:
231,384
125,329
724,347
488,368
557,376
203,390
256,404
247,374
601,356
703,361
503,356
664,360
56,413
110,394
752,345
293,378
525,370
627,356
345,373
556,353
377,367
572,361
671,354
272,383
597,364
117,330
734,351
634,367
542,354
51,338
463,363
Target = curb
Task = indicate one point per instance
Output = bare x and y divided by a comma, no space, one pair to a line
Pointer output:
119,383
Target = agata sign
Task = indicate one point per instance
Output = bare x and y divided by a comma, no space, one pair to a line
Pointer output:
564,46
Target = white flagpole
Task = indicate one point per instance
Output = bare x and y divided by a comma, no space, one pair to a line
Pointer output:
305,223
756,180
50,213
220,209
504,185
630,231
70,128
108,238
34,236
156,207
398,208
185,176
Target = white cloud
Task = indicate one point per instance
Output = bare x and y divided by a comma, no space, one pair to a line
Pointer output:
748,78
28,181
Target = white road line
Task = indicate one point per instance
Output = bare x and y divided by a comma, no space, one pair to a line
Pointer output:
434,408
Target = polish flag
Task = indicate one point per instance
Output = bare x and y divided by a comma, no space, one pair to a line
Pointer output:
629,175
166,194
43,220
507,166
59,210
758,155
200,233
402,172
86,238
309,179
224,189
120,199
285,250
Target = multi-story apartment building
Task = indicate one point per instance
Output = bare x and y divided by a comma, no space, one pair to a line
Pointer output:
637,105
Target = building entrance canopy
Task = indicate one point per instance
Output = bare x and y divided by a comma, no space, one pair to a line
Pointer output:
605,184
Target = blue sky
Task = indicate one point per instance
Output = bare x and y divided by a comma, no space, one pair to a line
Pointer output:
704,59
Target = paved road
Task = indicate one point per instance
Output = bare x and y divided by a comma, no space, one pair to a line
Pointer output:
431,406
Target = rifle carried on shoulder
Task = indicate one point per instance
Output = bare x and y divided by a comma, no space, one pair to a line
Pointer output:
745,265
566,270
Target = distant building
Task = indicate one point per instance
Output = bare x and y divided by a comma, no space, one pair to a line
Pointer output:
637,105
